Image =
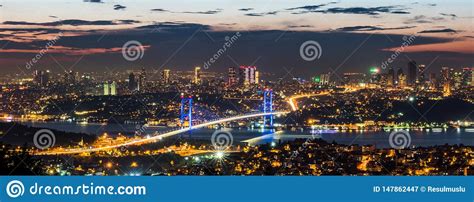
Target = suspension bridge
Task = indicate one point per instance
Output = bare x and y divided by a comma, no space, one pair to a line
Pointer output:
185,115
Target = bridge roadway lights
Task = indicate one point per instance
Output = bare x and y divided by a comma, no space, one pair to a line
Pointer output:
153,138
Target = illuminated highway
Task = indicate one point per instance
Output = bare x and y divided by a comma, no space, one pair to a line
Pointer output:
294,105
292,100
159,136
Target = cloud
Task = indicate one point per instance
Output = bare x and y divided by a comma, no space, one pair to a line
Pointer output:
119,7
453,16
173,34
460,47
73,22
300,26
439,31
370,28
94,1
400,12
367,11
174,26
422,19
262,14
209,12
160,10
245,9
71,50
308,8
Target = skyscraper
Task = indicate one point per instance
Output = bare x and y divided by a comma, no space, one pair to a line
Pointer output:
446,81
197,75
132,83
106,88
113,88
257,77
247,75
433,81
165,76
421,73
402,79
41,77
232,77
142,80
412,72
325,79
391,77
110,88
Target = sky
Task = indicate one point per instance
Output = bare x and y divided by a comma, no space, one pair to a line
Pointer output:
353,35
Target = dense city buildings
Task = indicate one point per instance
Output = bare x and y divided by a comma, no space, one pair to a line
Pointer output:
376,101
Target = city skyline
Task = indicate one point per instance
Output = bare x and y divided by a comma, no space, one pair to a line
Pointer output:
353,37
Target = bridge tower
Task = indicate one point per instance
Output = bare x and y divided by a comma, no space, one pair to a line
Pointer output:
186,113
268,106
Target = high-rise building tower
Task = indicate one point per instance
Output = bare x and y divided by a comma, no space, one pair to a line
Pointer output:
197,75
402,79
391,77
257,77
324,79
247,75
110,88
433,81
232,77
106,88
132,83
412,70
41,77
142,80
113,88
421,73
165,76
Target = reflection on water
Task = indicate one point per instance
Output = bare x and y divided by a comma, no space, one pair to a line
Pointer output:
379,139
